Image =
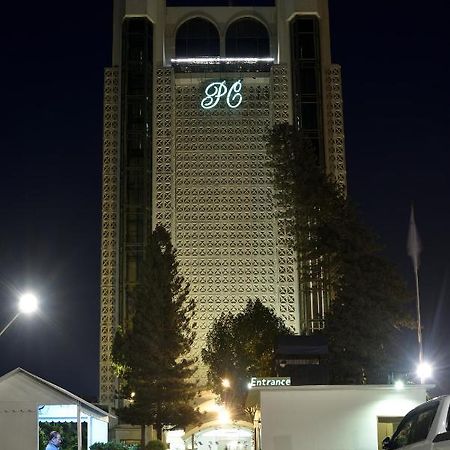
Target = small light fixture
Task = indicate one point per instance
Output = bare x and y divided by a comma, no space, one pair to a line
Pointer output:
224,416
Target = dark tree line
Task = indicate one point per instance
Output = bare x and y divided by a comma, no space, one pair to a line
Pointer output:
338,257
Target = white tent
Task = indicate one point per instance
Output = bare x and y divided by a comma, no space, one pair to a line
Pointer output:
26,400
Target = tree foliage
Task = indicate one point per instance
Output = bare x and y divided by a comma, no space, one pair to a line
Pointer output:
155,445
151,352
112,446
338,256
241,346
68,431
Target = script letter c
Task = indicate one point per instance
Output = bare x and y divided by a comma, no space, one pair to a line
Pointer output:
234,97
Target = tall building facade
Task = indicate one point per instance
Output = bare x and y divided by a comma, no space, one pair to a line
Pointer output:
189,101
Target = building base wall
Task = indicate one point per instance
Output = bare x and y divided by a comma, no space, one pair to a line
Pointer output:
331,417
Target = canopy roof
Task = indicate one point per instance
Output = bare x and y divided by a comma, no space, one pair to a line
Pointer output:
21,386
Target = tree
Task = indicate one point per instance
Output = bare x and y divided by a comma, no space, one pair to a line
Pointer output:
241,346
151,352
364,320
339,258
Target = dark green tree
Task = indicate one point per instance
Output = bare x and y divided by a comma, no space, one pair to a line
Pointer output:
364,320
312,205
241,346
339,258
151,354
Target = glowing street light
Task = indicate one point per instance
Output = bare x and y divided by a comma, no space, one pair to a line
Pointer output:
226,383
28,304
424,371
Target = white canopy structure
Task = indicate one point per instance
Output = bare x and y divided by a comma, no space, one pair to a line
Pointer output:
26,400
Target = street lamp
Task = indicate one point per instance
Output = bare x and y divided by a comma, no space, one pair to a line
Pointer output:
27,304
424,371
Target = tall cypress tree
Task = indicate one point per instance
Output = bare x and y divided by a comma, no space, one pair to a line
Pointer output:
338,257
151,353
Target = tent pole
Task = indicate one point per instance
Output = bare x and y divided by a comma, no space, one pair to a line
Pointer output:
79,434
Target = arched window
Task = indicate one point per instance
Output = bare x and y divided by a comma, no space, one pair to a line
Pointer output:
197,37
247,38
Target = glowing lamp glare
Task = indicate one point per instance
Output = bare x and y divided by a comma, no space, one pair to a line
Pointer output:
28,303
424,371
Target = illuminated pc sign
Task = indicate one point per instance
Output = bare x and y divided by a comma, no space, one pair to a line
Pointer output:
214,92
270,381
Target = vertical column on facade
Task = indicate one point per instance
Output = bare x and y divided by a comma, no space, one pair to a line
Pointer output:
109,242
309,119
287,274
307,80
136,156
335,120
163,158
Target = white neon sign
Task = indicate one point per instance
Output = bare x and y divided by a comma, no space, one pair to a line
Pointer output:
215,91
269,381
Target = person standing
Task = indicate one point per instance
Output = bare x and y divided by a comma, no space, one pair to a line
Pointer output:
54,442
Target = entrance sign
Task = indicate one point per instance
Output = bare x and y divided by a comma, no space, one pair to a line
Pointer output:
270,381
215,91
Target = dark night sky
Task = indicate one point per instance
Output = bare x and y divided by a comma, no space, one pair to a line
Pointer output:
395,62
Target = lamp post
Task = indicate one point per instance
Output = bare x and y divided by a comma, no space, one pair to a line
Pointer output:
27,304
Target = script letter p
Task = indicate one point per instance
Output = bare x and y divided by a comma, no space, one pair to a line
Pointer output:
213,93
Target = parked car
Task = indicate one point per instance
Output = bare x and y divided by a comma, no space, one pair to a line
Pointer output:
426,427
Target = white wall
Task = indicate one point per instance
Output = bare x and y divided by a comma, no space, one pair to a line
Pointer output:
98,431
18,426
330,417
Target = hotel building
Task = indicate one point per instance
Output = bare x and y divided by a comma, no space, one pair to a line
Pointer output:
189,100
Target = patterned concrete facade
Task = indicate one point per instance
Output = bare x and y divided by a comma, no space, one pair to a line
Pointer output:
210,184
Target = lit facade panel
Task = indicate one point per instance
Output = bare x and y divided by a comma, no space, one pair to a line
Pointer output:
224,222
110,239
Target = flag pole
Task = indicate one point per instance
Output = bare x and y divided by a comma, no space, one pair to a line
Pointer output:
414,248
419,324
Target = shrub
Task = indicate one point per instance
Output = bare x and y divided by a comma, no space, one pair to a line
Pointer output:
112,446
152,445
155,445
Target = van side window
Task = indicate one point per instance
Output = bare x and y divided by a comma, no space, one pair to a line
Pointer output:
415,426
422,425
401,436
